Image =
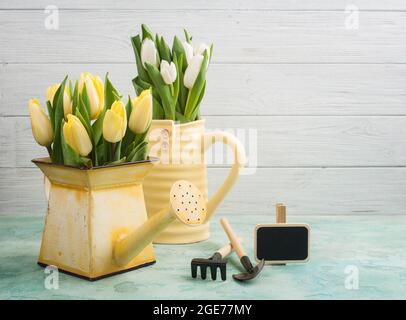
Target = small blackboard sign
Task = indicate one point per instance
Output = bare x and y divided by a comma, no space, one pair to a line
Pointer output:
282,243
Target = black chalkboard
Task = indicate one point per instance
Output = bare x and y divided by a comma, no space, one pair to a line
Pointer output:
282,243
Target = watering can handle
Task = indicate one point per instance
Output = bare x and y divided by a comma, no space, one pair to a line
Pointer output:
239,161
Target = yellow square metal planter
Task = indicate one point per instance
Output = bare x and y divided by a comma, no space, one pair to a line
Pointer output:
88,210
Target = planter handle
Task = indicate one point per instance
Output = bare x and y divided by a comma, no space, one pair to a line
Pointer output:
239,161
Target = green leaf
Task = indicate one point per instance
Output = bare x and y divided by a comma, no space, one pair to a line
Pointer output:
75,97
122,160
100,154
183,91
163,90
86,123
140,85
163,49
83,110
136,43
191,108
129,135
97,128
117,151
84,99
179,78
51,114
157,110
187,36
177,47
110,93
146,33
139,152
181,118
57,155
201,94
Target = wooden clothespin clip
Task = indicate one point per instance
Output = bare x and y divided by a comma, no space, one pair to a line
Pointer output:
280,213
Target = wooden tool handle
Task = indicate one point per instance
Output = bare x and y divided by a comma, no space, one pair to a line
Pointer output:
226,250
233,238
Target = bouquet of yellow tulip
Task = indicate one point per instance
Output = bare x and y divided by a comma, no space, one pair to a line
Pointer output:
177,77
88,125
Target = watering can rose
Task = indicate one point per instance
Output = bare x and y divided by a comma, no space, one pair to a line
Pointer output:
115,122
76,136
141,114
40,124
95,92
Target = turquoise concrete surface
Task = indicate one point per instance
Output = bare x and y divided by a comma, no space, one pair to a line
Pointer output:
375,245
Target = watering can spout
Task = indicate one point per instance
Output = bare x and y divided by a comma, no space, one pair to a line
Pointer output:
186,203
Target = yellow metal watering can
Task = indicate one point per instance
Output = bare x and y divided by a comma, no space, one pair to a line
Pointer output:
96,223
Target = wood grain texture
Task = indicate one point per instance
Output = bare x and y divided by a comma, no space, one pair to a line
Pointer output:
272,141
304,191
206,5
239,36
240,89
328,102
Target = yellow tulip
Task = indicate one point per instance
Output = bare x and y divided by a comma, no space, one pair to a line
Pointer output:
51,90
76,136
141,114
115,122
40,124
67,102
67,98
95,91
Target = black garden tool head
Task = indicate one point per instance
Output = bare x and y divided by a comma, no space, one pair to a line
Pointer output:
252,271
214,262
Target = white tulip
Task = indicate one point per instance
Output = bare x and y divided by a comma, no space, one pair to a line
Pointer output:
149,52
187,47
201,48
168,72
192,71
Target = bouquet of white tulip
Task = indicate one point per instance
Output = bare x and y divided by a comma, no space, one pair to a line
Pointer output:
177,77
88,125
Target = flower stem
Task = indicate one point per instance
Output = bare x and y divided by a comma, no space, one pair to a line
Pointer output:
112,151
49,151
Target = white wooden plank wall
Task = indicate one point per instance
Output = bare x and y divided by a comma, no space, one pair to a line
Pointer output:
329,102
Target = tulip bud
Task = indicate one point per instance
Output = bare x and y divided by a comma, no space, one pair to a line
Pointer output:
67,99
40,124
168,72
187,47
149,52
115,122
141,114
51,90
192,71
95,92
67,102
76,136
201,48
